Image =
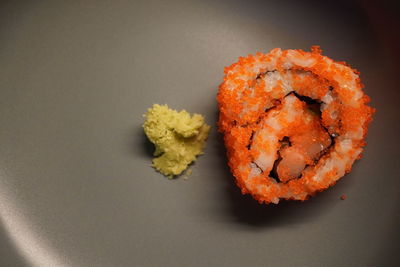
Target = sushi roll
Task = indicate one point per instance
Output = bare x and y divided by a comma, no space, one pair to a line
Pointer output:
293,122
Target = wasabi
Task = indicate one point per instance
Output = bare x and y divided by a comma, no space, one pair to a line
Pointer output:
178,138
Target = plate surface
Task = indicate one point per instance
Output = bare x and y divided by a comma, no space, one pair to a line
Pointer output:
76,186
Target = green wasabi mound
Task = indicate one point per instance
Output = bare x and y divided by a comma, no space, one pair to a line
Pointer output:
178,138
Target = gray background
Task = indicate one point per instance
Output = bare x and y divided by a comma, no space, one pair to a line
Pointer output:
76,188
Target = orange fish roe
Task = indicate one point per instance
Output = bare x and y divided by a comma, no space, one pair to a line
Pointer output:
343,197
293,121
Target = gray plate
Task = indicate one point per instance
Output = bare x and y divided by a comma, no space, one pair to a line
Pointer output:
76,186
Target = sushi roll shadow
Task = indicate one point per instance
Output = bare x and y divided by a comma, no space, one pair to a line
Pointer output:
242,209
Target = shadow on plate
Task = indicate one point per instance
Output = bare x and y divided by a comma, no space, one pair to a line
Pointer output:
245,210
10,255
140,143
